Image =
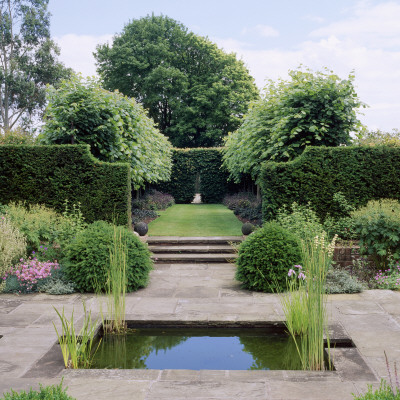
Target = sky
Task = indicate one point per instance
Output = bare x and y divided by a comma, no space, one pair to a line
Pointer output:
270,36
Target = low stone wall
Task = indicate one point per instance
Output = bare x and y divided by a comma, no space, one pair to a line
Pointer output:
344,256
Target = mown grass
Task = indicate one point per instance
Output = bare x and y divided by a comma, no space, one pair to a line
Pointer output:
196,220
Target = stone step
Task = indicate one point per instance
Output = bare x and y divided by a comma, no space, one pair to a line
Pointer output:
193,249
194,258
200,240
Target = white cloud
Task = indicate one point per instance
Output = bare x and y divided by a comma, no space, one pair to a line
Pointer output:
377,71
261,30
77,51
314,18
376,26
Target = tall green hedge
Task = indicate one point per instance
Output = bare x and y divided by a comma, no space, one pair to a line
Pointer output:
50,174
207,162
360,173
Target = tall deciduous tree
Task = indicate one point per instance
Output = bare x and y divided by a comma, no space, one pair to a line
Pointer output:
194,91
311,109
116,127
28,59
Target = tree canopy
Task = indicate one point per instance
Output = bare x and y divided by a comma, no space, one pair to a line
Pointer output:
28,59
194,91
310,109
116,127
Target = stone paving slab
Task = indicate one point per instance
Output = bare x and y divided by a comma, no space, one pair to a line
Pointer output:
196,292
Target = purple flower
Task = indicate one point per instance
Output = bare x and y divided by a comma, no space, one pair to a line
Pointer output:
291,272
302,276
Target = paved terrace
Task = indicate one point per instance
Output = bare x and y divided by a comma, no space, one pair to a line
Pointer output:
195,292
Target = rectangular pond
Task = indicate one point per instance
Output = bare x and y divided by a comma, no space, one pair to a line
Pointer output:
198,348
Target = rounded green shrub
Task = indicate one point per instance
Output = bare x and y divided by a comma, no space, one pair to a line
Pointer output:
265,258
247,228
88,258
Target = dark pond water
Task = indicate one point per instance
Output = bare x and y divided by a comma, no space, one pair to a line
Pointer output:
200,348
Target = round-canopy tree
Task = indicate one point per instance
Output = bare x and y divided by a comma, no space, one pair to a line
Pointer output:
312,109
194,91
115,126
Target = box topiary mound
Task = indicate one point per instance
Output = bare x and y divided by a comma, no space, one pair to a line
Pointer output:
265,258
88,258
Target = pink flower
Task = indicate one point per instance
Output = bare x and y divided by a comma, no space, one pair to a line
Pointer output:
291,272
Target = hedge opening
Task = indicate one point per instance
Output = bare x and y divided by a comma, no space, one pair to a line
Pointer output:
205,164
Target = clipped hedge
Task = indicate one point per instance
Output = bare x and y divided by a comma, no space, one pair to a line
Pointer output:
359,173
50,174
207,162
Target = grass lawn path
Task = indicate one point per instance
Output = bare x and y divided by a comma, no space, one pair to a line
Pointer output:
196,220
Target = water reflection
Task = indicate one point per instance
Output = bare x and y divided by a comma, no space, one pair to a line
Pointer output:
249,349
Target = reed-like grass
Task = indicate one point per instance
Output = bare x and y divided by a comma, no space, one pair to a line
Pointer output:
76,347
116,285
294,304
305,304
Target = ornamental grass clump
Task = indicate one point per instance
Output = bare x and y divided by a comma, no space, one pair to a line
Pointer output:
309,301
12,245
116,285
77,347
294,302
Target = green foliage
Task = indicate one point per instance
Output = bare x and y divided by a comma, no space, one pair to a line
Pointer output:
54,392
116,286
316,257
17,136
76,347
88,258
39,224
378,227
51,174
56,284
28,61
265,258
312,109
193,90
187,163
300,220
340,281
245,205
339,220
115,126
385,392
12,245
359,173
154,200
143,215
378,137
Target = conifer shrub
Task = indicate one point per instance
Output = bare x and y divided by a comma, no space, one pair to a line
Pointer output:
265,258
88,258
